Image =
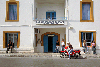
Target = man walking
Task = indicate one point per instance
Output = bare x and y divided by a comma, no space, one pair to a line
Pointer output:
71,49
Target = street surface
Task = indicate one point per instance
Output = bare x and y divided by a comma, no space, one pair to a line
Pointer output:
47,62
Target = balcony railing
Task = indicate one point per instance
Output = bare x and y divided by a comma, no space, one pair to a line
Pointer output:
57,20
53,18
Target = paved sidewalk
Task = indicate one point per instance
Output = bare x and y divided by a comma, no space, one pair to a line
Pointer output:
88,56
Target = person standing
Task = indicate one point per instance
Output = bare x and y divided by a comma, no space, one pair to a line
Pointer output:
10,45
71,49
63,44
84,45
93,47
57,47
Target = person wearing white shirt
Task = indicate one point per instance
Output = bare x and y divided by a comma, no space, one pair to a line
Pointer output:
63,44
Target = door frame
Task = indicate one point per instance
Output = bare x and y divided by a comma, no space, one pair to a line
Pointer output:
94,36
51,34
4,44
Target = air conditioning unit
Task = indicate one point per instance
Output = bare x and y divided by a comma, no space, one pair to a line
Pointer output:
37,31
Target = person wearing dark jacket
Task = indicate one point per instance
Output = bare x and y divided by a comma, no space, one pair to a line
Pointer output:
10,46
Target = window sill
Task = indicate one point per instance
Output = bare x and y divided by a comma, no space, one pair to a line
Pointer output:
11,20
86,20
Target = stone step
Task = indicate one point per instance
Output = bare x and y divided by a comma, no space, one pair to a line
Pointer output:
30,54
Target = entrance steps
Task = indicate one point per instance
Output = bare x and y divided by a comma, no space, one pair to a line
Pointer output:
30,54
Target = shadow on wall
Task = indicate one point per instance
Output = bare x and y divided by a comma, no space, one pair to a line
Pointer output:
73,30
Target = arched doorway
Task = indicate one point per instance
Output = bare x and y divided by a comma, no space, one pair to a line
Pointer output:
49,41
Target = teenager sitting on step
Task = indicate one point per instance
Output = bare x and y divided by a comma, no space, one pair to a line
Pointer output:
10,46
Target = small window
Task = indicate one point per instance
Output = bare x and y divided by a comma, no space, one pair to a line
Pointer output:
50,15
12,11
86,11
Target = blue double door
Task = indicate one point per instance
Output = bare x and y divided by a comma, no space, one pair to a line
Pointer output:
51,15
49,41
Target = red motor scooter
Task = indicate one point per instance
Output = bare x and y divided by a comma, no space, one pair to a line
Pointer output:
74,53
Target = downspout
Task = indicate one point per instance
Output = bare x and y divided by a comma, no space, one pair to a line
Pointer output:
31,24
68,18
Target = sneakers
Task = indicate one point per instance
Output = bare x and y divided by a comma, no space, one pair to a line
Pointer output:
69,58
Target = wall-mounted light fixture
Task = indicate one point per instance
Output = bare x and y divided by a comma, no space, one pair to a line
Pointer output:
70,27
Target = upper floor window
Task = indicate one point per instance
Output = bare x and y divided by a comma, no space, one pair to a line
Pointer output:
50,15
86,11
12,11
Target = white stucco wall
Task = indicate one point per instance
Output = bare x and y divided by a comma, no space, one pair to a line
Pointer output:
25,18
25,12
74,20
25,36
43,8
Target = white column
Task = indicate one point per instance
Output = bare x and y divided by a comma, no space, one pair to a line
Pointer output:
66,14
33,37
66,35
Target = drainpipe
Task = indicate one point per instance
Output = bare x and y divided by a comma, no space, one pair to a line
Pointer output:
68,18
32,23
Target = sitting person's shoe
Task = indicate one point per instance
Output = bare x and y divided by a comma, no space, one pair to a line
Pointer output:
69,58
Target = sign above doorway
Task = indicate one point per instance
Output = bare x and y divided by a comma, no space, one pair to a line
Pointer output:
50,35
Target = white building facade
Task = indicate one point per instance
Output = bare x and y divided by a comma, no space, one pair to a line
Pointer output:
35,25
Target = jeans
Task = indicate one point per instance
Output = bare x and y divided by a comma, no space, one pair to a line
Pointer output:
70,52
94,50
57,51
84,48
8,49
87,48
63,48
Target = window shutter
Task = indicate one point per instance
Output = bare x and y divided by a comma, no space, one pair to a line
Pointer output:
54,15
7,40
82,38
92,36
